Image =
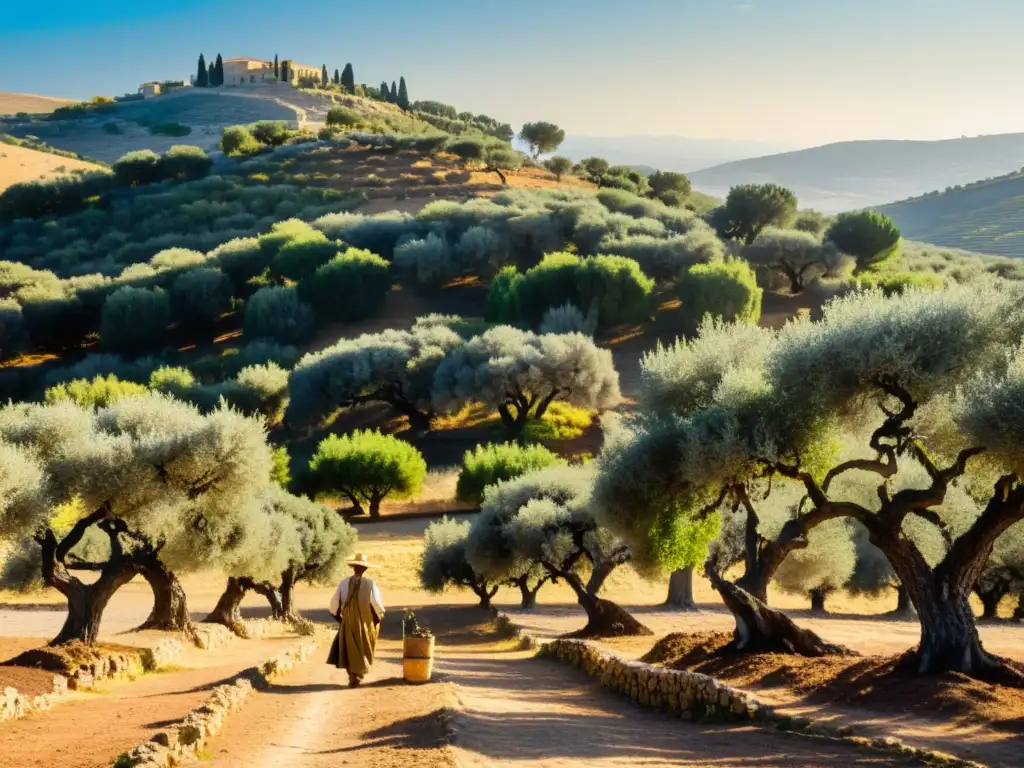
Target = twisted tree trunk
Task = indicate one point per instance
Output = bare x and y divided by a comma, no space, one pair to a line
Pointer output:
599,575
990,598
604,618
763,629
528,594
170,604
484,592
818,600
904,608
228,610
268,591
680,590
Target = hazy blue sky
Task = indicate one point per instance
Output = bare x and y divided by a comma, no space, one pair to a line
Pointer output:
798,71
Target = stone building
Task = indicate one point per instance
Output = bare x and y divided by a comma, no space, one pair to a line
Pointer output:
246,71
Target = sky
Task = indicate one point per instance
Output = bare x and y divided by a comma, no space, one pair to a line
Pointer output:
798,72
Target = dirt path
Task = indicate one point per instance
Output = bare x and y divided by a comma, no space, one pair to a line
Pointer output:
91,729
510,709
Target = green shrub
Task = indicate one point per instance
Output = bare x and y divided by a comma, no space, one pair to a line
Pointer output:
273,133
112,128
96,393
426,262
561,421
352,286
134,319
170,129
276,313
263,390
872,238
502,302
172,381
185,163
614,285
137,168
340,117
281,472
366,467
490,464
897,282
467,150
241,259
285,231
301,257
236,140
200,296
725,289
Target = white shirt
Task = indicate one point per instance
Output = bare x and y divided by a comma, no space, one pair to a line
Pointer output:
341,595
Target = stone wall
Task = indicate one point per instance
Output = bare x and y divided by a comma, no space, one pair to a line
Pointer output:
15,704
690,695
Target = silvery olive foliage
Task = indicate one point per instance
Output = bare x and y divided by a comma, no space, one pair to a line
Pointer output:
443,563
521,373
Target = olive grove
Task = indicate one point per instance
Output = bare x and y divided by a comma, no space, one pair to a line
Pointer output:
878,385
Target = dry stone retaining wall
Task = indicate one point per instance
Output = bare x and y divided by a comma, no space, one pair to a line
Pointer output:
15,704
690,695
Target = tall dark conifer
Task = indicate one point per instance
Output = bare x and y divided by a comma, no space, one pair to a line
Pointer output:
403,95
211,77
385,93
323,76
202,73
348,79
218,69
337,78
277,68
393,95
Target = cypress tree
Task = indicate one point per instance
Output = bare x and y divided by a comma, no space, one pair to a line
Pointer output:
323,76
277,68
385,94
393,95
219,70
202,74
337,78
348,79
211,77
403,95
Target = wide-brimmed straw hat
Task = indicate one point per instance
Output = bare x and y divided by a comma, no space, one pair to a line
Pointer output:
360,559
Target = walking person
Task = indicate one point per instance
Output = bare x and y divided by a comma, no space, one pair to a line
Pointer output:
359,608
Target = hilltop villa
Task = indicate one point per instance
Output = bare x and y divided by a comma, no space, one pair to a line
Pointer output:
246,71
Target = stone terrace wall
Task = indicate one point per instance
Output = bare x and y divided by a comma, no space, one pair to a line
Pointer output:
690,695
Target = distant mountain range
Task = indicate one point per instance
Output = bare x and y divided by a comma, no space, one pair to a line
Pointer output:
986,216
668,153
861,174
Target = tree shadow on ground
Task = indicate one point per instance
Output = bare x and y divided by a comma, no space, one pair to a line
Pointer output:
418,732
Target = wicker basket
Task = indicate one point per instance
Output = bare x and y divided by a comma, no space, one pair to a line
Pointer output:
418,659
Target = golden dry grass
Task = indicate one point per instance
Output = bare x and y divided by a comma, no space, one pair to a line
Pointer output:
12,103
18,164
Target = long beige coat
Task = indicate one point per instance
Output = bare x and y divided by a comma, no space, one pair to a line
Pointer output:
362,611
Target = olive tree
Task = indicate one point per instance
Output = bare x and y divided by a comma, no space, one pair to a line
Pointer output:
799,256
559,166
490,550
750,208
541,137
823,567
520,374
134,318
563,540
394,367
322,541
443,562
490,464
367,467
932,378
670,187
155,488
1003,573
724,289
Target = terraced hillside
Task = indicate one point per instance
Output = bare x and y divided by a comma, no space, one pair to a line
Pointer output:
986,217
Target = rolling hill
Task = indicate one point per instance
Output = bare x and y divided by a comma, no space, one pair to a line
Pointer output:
668,153
987,216
859,174
19,164
13,103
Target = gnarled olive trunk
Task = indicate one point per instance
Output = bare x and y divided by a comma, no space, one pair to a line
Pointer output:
599,575
528,594
273,599
904,608
86,602
170,604
763,629
990,599
228,610
287,591
680,590
818,600
604,618
485,593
